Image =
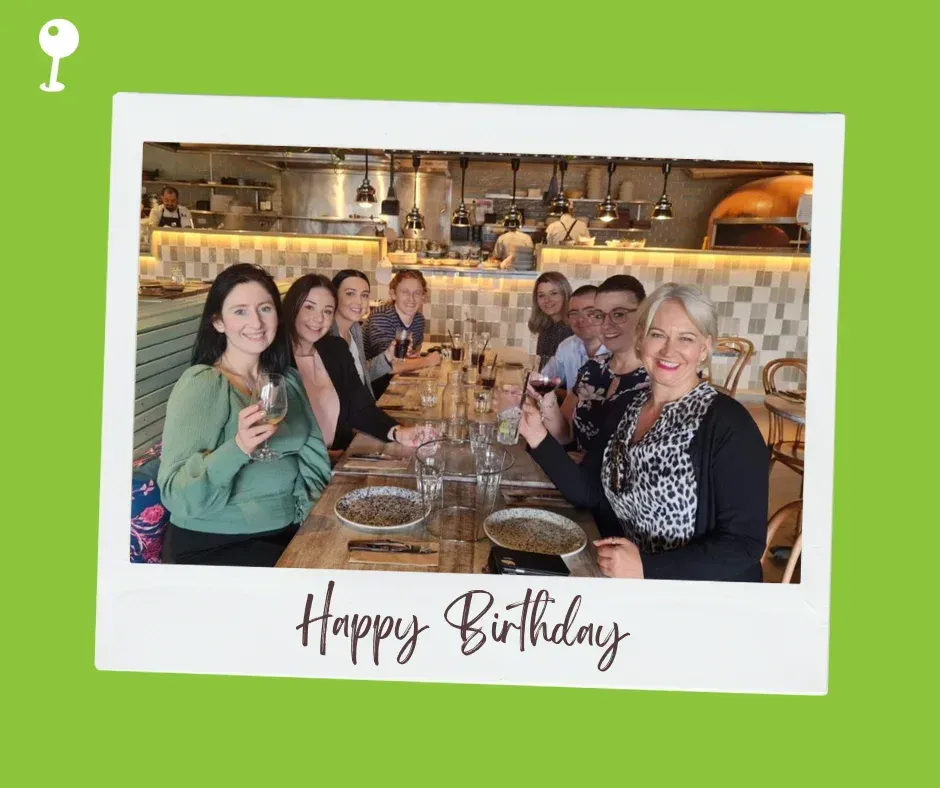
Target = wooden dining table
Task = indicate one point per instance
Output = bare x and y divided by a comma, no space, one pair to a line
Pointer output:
323,539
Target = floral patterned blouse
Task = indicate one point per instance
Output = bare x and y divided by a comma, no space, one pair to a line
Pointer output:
594,381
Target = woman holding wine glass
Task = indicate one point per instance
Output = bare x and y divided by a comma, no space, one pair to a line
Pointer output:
336,393
605,380
243,458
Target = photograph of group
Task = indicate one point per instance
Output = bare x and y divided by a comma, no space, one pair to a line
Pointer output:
458,362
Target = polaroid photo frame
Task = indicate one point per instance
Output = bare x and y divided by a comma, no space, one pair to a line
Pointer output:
659,635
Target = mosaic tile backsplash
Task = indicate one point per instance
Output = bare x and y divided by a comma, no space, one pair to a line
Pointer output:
204,254
762,298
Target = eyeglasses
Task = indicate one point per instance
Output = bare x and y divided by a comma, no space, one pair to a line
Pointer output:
617,316
578,314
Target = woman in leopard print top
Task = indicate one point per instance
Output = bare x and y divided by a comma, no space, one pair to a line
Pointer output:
678,477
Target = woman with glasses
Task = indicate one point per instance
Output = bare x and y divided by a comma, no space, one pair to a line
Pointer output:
607,379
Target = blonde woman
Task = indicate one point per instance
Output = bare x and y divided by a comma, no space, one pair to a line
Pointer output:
678,477
549,309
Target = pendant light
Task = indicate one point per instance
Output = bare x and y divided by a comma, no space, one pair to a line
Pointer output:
560,203
414,220
365,194
663,209
607,210
512,220
390,205
461,217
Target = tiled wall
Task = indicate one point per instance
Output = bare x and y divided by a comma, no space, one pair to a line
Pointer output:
204,254
763,298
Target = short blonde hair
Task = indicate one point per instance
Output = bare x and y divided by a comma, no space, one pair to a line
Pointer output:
698,306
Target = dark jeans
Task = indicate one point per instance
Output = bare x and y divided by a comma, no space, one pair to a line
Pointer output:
181,546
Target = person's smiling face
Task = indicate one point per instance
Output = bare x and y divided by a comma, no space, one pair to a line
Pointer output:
550,299
674,349
353,299
408,297
315,315
248,319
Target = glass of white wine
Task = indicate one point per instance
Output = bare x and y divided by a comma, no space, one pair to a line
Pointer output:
272,396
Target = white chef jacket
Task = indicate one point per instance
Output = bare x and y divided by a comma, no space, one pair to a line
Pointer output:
555,232
186,218
512,241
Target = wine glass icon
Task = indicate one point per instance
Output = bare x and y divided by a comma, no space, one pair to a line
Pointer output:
58,39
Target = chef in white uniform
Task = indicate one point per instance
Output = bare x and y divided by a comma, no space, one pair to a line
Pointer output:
170,213
511,242
565,230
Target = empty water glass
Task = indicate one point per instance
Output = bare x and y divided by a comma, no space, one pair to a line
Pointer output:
429,394
482,433
482,400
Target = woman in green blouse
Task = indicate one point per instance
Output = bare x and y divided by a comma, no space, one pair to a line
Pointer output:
226,509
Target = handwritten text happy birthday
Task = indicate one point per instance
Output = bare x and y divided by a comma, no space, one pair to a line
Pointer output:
472,615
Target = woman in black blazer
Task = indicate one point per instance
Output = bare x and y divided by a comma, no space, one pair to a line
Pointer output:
678,476
337,396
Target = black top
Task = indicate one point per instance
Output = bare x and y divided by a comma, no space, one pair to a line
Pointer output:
357,409
549,339
594,381
729,460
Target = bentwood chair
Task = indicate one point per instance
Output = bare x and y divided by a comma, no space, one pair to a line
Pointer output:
741,349
778,519
782,449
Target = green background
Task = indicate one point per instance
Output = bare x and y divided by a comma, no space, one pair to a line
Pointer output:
68,720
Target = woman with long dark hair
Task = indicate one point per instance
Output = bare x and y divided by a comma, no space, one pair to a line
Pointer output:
352,304
224,508
336,393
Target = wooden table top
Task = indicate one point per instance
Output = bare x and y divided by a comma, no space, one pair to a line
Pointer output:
321,542
790,409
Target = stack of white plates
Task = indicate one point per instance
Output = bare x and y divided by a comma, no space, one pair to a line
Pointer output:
596,183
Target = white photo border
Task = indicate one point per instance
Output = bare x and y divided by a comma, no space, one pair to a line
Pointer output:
684,635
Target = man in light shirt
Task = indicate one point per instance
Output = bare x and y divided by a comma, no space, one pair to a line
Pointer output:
574,352
170,213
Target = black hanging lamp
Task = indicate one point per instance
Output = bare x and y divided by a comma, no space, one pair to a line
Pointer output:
561,204
365,194
461,217
663,209
607,210
414,220
390,205
513,220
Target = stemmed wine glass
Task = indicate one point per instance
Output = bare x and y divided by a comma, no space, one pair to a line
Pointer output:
271,394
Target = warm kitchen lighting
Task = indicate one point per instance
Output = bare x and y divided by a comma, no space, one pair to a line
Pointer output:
461,217
663,209
365,194
414,220
607,210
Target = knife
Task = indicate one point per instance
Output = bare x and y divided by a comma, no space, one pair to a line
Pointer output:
376,458
387,546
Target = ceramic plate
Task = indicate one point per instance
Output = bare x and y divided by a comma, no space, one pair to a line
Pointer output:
380,508
535,531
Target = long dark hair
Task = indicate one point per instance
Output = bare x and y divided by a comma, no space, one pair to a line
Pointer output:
210,344
293,300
